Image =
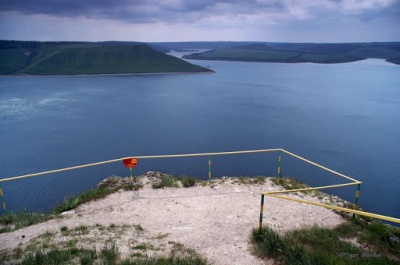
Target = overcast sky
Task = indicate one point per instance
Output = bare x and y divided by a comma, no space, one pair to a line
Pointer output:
201,20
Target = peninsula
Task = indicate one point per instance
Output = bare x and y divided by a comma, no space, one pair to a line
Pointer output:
302,52
87,58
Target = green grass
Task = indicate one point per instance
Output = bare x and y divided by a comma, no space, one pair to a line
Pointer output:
56,256
81,230
12,60
48,249
170,260
325,246
384,238
289,183
18,220
246,55
143,247
187,181
303,52
76,200
107,255
258,180
174,182
252,180
15,221
373,52
68,58
166,182
64,230
395,58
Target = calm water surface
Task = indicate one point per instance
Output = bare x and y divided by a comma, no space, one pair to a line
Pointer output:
343,116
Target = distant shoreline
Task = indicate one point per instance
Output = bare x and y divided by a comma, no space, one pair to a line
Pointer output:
284,62
302,52
120,74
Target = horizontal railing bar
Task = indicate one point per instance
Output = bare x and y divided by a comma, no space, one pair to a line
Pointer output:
311,188
212,154
372,215
322,167
139,157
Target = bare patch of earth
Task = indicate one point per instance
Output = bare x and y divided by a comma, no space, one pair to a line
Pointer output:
215,221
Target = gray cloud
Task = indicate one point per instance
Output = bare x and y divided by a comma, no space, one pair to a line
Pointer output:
241,18
69,8
141,10
147,11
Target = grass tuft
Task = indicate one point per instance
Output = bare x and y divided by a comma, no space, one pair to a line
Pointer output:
187,181
18,220
267,242
188,259
258,180
166,182
110,254
88,257
318,245
75,201
289,183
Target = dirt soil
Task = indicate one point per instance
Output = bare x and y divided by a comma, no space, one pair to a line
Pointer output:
214,221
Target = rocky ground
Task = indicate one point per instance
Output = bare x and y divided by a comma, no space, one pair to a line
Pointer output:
215,220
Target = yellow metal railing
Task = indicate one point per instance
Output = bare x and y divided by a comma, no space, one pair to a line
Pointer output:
121,159
138,157
352,183
271,194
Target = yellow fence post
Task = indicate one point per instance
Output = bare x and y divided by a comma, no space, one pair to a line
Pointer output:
279,164
4,204
209,170
357,195
261,212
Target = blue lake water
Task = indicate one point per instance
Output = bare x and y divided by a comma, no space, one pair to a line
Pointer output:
343,116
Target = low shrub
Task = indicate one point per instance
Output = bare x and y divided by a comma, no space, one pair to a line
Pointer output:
187,181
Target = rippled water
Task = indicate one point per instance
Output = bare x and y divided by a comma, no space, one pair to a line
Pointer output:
344,116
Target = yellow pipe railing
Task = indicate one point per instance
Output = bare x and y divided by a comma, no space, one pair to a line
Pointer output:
272,194
372,215
354,182
318,165
139,157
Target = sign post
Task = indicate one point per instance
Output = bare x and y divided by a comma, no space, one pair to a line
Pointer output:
131,164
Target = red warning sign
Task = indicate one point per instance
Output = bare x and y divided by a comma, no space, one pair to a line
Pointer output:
130,162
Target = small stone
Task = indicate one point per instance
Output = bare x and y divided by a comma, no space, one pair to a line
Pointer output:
68,212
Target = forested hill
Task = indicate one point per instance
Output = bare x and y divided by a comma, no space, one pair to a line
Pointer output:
74,58
304,52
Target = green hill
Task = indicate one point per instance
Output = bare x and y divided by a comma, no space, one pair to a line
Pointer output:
73,58
304,52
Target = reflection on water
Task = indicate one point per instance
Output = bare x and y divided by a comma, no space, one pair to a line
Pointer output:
14,108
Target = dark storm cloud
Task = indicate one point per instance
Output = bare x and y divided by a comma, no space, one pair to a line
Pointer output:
68,8
392,10
185,10
279,20
138,10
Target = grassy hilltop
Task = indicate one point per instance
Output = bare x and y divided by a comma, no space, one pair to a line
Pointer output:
72,58
303,52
